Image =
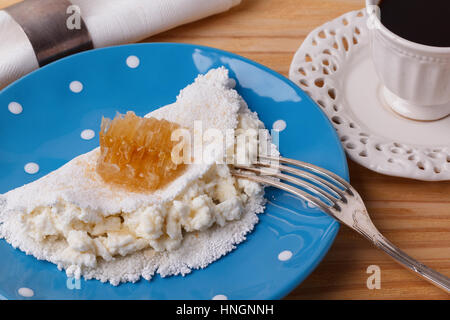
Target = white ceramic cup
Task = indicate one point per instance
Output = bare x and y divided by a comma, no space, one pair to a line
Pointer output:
416,77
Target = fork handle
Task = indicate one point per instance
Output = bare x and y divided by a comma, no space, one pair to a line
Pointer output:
401,257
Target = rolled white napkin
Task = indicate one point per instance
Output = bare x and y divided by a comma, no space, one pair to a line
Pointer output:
110,22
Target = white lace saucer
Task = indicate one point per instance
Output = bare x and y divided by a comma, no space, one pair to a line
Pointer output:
334,66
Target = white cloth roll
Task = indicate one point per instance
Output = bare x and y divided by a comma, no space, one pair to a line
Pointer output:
17,57
110,22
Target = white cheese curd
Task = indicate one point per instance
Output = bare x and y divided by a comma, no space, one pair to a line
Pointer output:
216,198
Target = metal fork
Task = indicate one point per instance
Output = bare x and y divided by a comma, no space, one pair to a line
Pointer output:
336,197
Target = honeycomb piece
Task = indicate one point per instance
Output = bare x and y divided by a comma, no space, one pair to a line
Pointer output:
135,152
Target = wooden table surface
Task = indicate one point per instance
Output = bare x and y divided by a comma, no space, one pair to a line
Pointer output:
415,215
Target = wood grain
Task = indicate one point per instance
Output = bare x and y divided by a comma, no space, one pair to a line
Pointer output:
414,215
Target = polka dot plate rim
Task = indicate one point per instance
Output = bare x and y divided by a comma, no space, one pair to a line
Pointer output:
295,237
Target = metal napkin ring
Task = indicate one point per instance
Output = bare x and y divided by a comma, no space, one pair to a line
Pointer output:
47,26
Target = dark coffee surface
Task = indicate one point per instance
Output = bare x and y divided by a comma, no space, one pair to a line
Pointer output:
421,21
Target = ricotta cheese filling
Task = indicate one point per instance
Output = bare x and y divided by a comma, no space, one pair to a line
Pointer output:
216,198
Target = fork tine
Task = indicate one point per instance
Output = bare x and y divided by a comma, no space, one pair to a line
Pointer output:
333,189
326,173
312,188
286,187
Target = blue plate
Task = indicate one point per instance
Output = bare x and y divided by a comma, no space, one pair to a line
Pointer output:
290,239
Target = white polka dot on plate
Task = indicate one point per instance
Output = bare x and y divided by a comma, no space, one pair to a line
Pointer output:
87,134
285,255
31,168
15,107
133,62
279,125
26,292
76,86
220,297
